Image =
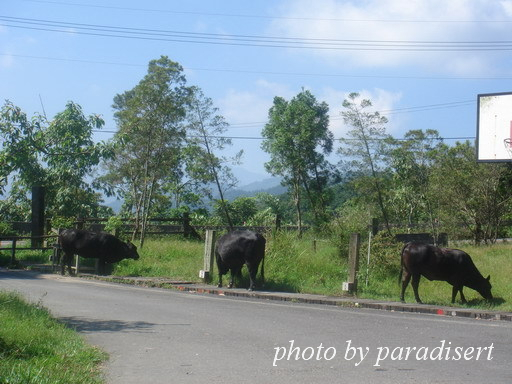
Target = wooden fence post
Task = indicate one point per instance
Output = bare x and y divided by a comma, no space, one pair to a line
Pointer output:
209,250
353,263
13,252
38,221
187,231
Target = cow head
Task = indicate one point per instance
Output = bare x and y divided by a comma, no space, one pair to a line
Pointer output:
485,288
131,251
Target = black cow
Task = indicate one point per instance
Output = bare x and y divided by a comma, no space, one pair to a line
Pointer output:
237,248
451,265
101,245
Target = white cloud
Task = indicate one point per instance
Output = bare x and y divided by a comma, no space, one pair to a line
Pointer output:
6,60
241,108
507,7
381,99
252,106
394,21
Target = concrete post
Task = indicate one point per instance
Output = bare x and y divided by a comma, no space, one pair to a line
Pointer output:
209,251
353,263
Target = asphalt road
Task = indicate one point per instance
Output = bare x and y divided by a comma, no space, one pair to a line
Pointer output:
164,336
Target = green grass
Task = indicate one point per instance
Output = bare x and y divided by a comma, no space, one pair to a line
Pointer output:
290,265
495,260
166,257
25,257
36,349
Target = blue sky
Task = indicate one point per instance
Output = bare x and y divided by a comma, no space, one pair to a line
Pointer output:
421,62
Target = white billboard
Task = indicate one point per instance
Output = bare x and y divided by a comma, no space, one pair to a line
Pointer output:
494,127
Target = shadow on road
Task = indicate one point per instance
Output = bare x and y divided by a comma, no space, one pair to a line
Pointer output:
18,274
81,324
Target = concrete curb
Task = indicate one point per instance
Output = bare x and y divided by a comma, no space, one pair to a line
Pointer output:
352,302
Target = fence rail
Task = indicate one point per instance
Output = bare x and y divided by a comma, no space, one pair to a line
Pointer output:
13,247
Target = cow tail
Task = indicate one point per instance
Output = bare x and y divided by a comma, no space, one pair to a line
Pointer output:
263,269
401,264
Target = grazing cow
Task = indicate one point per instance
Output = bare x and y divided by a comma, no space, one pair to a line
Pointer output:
100,245
237,248
445,264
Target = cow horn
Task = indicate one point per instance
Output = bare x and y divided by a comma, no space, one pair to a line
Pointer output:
489,278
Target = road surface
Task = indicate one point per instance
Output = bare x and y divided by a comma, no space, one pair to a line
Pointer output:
164,336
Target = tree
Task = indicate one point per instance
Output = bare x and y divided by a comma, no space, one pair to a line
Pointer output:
364,146
204,139
150,119
412,161
476,194
298,139
58,154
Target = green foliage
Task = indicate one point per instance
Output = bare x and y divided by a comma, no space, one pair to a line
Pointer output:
59,222
114,224
241,210
57,154
349,218
365,148
6,229
474,194
298,139
34,348
205,141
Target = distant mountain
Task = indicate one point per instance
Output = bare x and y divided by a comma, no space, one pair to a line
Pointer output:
270,185
269,182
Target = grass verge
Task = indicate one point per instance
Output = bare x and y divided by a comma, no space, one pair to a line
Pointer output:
296,265
36,349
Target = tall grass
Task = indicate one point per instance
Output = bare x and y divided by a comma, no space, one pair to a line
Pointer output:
494,260
169,257
291,264
294,265
36,349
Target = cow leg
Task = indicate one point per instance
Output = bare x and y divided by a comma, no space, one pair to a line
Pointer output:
222,271
462,298
405,283
66,261
101,267
415,284
252,278
458,288
232,280
235,272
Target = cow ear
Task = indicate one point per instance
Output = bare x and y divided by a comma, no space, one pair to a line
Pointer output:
489,278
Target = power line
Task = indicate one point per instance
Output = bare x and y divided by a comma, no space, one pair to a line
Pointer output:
252,40
238,15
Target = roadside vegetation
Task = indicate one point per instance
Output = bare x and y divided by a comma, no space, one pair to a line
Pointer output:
316,264
36,349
